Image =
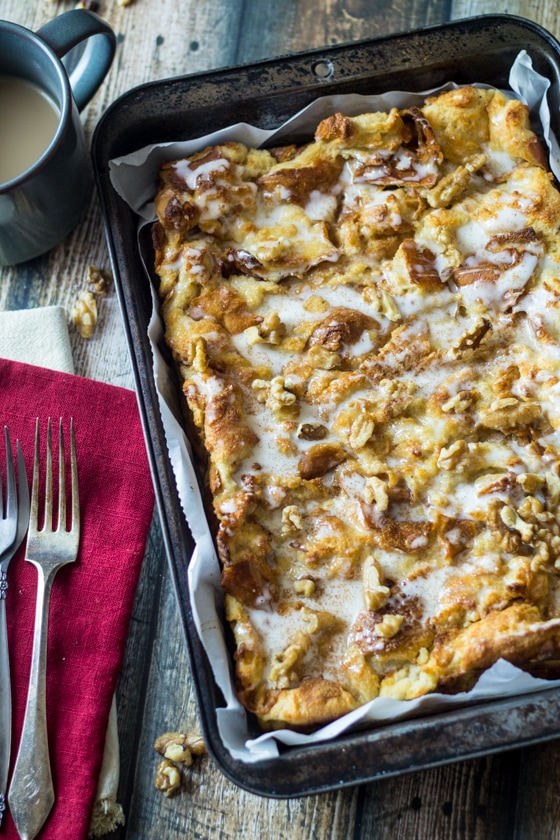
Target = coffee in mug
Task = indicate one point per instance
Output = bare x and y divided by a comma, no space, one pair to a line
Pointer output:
28,123
46,176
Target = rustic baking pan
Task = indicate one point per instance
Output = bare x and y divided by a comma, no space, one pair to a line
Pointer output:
265,94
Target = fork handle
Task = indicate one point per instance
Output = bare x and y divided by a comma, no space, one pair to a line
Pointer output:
5,702
31,794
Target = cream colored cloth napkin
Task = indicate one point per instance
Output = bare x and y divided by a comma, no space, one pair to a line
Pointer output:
37,337
40,337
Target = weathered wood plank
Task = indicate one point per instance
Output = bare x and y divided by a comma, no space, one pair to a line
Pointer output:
294,25
537,814
544,12
470,799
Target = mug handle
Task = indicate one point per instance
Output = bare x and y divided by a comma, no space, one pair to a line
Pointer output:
70,29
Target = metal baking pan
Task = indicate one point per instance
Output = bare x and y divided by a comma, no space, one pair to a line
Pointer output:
479,49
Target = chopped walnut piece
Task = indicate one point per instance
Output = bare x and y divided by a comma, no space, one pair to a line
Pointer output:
286,664
389,626
318,620
507,538
291,519
450,456
382,302
512,519
84,314
273,393
458,403
376,493
552,489
323,359
177,748
168,777
530,482
197,355
180,746
270,331
312,431
305,587
375,594
361,431
99,279
509,412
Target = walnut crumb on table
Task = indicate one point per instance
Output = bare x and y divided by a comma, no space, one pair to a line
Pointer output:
84,314
177,748
168,778
99,279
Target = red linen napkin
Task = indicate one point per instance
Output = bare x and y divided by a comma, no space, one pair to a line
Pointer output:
92,599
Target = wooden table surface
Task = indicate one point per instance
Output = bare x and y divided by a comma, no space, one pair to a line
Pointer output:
514,795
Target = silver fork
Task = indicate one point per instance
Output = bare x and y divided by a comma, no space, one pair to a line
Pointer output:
31,794
16,511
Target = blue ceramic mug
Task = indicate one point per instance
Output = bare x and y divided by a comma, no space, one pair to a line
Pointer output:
46,78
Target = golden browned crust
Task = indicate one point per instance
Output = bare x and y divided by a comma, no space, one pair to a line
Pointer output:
366,328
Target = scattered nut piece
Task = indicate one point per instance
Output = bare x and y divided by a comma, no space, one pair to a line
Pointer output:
84,314
273,393
375,593
458,403
511,518
291,519
361,431
304,586
177,748
530,482
450,456
168,778
180,746
287,663
389,626
197,354
318,620
99,279
312,431
553,490
375,492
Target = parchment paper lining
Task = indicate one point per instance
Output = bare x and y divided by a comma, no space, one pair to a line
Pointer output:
135,178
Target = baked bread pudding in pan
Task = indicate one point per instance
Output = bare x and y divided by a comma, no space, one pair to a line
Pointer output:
366,329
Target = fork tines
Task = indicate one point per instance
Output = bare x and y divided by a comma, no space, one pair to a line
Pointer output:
61,521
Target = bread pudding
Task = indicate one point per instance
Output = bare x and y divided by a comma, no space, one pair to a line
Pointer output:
367,337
